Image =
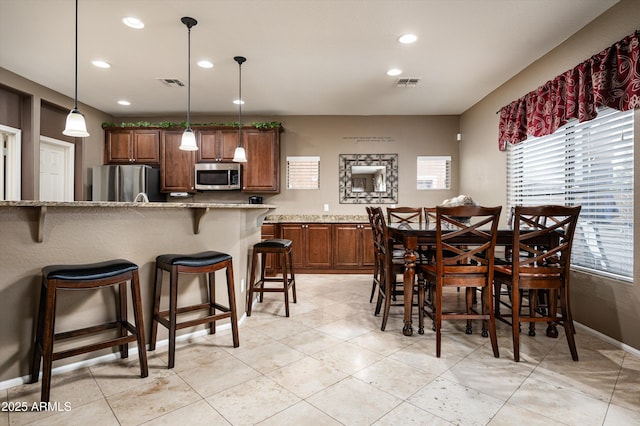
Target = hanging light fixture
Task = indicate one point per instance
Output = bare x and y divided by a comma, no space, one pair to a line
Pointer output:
240,155
76,126
188,138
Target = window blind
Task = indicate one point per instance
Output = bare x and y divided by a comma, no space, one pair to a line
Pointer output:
433,172
588,164
303,172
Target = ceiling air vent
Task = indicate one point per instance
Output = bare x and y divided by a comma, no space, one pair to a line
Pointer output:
171,82
407,82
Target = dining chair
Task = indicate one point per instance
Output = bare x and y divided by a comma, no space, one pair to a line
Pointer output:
464,253
540,269
376,264
390,267
404,215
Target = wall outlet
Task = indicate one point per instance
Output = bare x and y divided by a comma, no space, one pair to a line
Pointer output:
326,207
242,285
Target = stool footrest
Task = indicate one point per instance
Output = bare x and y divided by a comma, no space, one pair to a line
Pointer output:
90,330
94,347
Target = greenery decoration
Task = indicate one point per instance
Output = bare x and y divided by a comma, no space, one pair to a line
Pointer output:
261,125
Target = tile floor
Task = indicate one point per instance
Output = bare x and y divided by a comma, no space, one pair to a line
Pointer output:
329,364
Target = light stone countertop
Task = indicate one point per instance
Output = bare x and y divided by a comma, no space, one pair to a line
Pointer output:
316,218
162,205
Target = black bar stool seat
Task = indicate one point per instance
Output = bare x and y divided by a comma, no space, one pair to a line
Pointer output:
207,262
85,277
280,247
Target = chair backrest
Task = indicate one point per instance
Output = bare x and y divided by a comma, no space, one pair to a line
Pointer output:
557,223
465,244
404,215
429,215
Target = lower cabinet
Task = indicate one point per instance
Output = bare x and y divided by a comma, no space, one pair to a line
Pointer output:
326,247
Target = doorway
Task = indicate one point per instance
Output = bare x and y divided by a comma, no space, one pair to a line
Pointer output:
10,160
56,170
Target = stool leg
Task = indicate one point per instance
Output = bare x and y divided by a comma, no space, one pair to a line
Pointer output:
122,318
232,304
137,315
37,347
254,260
293,276
173,301
47,343
263,265
285,279
157,290
212,300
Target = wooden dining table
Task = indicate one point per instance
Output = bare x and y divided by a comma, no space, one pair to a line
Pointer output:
413,235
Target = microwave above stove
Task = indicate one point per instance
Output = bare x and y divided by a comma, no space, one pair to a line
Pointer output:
217,176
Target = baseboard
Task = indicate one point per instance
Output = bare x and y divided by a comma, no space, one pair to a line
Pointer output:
110,357
608,339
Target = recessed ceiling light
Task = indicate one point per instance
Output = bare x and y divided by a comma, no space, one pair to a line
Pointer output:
123,102
238,102
407,38
132,22
101,64
205,64
394,71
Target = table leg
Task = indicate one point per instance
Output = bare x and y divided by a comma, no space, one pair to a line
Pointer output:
409,274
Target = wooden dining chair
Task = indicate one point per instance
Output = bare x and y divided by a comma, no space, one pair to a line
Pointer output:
390,267
464,253
540,269
371,212
404,215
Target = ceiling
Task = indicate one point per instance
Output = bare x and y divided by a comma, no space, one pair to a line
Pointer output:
304,57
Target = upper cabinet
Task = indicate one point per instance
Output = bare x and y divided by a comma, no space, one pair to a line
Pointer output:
127,146
215,145
177,172
261,172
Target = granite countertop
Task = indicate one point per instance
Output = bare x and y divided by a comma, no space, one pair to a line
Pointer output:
35,203
316,218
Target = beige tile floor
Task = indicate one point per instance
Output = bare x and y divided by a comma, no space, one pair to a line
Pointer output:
329,364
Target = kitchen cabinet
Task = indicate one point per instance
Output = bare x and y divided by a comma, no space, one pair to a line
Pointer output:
215,145
177,172
261,172
139,146
311,245
269,231
352,246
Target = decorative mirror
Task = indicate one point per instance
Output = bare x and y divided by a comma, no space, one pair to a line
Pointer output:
368,178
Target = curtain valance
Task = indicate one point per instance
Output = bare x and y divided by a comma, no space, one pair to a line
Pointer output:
611,78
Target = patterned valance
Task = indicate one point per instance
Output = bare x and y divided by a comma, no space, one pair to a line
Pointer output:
609,79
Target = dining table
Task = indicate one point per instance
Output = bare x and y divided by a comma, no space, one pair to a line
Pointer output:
414,235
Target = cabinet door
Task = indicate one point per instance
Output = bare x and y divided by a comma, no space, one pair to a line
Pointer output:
346,245
368,254
146,146
207,150
261,172
177,166
295,233
318,245
227,143
118,146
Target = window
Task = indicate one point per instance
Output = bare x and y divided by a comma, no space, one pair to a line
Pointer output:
434,172
588,164
303,172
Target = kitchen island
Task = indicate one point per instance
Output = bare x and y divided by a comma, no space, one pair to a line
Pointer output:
34,234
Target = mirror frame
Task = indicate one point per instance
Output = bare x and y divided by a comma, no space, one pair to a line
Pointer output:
348,196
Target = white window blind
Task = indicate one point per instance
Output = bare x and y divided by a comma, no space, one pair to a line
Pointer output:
588,164
303,172
434,172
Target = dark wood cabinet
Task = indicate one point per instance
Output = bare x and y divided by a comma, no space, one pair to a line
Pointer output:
311,245
261,172
215,145
176,166
352,246
269,231
125,146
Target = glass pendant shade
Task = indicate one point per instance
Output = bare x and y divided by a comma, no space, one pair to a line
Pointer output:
239,156
188,142
76,126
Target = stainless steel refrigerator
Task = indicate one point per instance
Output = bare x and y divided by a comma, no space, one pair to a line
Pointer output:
126,182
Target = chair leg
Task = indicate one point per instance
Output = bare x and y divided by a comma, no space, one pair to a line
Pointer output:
173,302
231,293
469,295
387,301
47,343
263,266
515,322
568,323
37,347
122,317
285,284
421,297
211,279
157,290
293,276
438,319
139,324
487,300
254,260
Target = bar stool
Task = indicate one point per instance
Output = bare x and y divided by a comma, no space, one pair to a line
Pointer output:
86,277
207,262
282,248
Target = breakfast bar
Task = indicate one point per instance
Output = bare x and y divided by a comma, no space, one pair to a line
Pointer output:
35,234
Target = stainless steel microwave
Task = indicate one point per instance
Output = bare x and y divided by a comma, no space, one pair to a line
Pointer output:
217,176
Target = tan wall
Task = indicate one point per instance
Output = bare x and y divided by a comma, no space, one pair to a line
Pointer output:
608,306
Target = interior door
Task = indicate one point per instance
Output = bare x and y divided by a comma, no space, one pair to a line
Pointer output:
56,170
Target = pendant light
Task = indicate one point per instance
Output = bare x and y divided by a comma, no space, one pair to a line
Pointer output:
188,138
76,126
239,156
